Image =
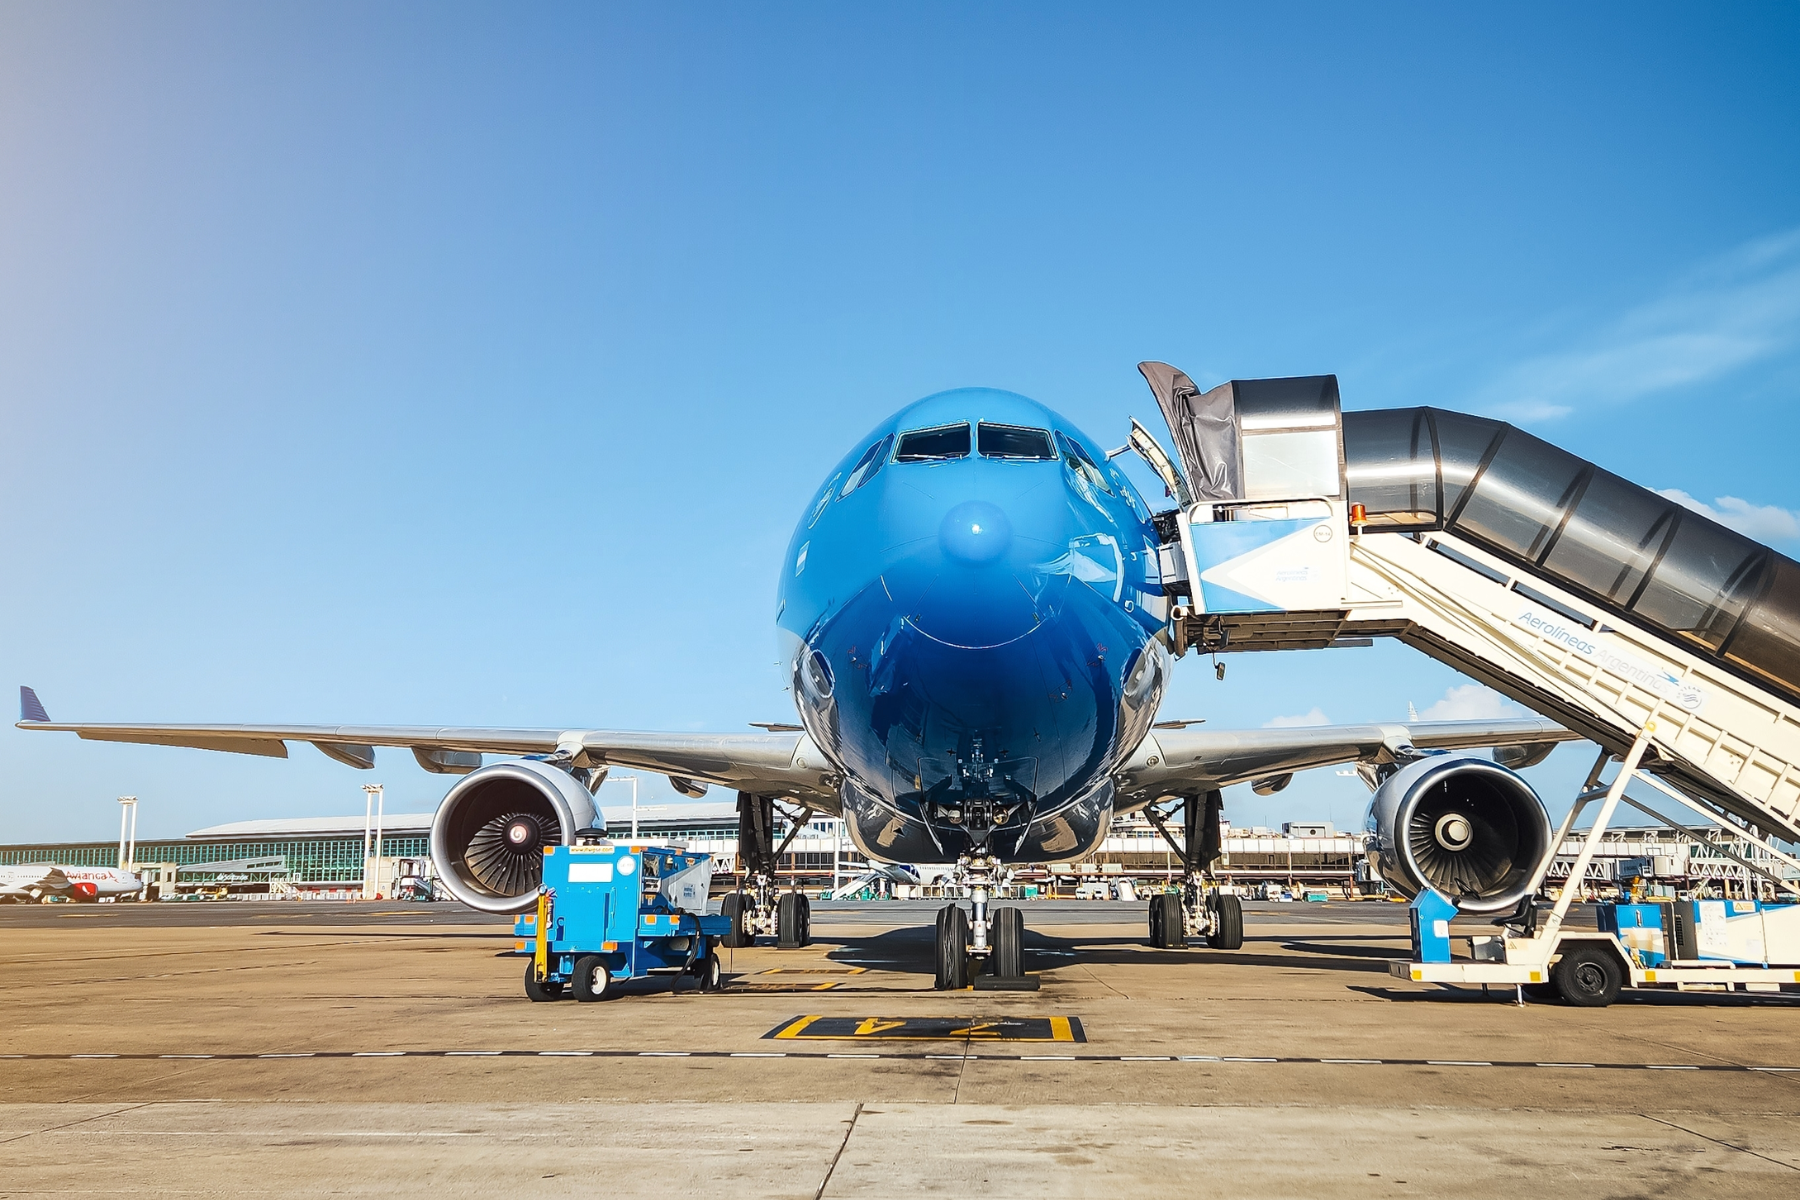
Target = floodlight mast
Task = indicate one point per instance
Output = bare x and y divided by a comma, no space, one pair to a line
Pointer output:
633,781
128,842
374,799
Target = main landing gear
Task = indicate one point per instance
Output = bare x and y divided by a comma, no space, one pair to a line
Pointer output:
983,932
1201,909
759,908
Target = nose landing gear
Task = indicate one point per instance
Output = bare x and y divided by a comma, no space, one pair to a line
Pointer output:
984,932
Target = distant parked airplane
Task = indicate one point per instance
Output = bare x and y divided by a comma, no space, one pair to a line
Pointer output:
33,882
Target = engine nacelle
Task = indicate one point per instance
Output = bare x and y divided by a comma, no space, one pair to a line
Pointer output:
1470,828
490,831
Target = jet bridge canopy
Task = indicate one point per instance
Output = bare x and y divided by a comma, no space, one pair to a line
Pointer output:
1636,554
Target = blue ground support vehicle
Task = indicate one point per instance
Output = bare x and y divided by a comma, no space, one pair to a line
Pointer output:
609,912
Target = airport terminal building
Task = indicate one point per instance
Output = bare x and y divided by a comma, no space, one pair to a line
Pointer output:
327,857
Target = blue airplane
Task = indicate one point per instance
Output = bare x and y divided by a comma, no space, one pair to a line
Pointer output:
974,613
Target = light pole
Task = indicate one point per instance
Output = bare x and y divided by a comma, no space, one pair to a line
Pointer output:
375,799
633,781
127,811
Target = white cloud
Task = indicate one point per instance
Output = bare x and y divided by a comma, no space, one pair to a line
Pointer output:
1764,522
1470,702
1734,311
1315,717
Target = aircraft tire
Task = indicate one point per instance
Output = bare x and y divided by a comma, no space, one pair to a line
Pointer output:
735,907
1173,921
805,918
1008,961
1156,922
1228,932
790,933
592,979
539,993
952,949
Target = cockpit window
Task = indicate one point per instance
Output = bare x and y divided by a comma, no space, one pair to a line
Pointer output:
933,445
867,465
1013,441
1080,463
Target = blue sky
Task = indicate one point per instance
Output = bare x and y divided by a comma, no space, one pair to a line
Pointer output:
450,363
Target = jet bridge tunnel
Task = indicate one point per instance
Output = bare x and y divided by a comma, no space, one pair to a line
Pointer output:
1592,600
1633,553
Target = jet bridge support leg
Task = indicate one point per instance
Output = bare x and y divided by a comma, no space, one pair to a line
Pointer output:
1201,908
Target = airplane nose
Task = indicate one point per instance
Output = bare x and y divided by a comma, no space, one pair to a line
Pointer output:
975,533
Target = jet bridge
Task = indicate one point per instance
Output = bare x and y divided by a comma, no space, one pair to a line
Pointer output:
1575,592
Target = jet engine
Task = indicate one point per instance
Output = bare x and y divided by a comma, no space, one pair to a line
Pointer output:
1472,829
490,831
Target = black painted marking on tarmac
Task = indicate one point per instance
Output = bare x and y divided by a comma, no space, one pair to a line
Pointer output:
930,1029
1213,1059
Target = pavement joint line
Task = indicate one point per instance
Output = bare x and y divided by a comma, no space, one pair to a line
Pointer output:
914,1056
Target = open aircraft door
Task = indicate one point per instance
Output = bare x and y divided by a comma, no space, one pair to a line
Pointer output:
1265,526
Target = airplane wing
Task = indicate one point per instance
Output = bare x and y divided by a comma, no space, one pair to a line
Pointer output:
1182,761
780,763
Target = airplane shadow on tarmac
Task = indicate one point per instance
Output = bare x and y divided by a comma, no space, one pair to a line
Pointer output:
910,951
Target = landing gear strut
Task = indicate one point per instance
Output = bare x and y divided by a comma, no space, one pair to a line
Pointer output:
996,934
1201,908
759,908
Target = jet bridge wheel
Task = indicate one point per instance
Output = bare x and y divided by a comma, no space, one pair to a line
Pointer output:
1587,975
952,948
1008,960
537,992
1228,922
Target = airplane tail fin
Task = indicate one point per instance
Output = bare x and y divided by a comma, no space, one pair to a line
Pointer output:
30,707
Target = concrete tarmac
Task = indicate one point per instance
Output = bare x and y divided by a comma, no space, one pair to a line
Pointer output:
262,1048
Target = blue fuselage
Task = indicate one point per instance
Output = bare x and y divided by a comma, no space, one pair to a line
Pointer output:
971,635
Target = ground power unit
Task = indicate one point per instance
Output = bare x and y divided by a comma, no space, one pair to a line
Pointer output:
607,913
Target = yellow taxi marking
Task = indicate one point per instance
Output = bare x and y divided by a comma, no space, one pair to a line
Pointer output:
814,971
922,1029
826,986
